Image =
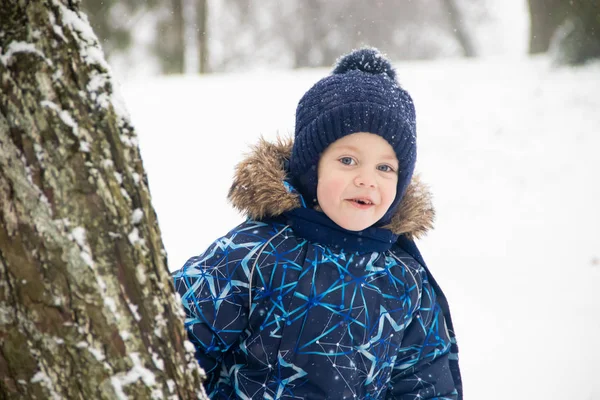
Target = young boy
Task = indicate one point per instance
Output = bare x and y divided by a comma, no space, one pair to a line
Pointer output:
322,293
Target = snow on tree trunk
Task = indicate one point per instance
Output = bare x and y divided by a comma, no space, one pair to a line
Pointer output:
87,308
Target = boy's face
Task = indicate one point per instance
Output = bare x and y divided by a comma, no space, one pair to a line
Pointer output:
358,175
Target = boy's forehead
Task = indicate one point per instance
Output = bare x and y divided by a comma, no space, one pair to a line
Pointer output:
366,143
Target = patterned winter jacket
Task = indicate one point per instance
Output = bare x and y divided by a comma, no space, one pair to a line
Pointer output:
288,305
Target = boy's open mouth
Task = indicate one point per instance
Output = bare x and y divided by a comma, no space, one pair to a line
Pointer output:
361,202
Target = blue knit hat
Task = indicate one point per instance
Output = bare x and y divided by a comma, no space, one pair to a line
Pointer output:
361,95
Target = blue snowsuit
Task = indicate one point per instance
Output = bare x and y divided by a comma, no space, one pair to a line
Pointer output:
288,305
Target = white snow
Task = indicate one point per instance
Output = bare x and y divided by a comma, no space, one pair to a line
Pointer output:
97,353
87,258
84,146
137,372
73,19
159,324
39,377
134,310
510,149
78,234
171,385
118,177
158,362
140,274
112,306
43,379
136,216
92,54
189,347
63,115
39,152
101,285
20,47
118,102
97,82
136,178
129,141
134,237
125,194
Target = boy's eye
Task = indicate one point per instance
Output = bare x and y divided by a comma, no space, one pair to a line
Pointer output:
347,160
385,168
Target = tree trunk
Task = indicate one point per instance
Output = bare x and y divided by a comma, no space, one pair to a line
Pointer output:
459,28
87,308
570,28
308,46
170,43
544,16
202,29
577,39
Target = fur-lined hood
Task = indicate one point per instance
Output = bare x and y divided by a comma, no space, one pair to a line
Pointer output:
258,191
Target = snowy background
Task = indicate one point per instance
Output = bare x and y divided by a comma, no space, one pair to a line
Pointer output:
510,148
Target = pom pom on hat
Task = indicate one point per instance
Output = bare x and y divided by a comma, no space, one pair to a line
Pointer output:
368,60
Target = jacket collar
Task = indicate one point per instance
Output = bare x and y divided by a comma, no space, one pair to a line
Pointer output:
260,190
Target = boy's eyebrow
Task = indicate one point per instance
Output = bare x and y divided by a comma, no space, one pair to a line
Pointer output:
357,150
389,157
347,146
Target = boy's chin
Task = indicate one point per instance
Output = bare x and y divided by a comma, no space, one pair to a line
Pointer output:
350,221
355,226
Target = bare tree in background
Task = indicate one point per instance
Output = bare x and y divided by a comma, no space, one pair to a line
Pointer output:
113,21
544,16
577,39
202,35
195,19
459,27
114,36
571,29
87,307
311,33
170,42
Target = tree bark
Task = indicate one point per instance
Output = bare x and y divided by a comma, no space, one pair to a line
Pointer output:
87,307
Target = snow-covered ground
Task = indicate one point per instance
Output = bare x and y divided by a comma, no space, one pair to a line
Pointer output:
511,150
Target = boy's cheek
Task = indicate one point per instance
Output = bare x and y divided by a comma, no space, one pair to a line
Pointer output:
330,190
390,196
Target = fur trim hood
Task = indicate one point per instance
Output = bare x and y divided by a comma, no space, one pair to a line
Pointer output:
258,191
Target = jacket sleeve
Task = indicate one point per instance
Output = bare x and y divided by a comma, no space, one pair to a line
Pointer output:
214,294
423,368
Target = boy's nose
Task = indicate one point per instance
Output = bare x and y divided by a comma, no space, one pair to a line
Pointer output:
365,180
